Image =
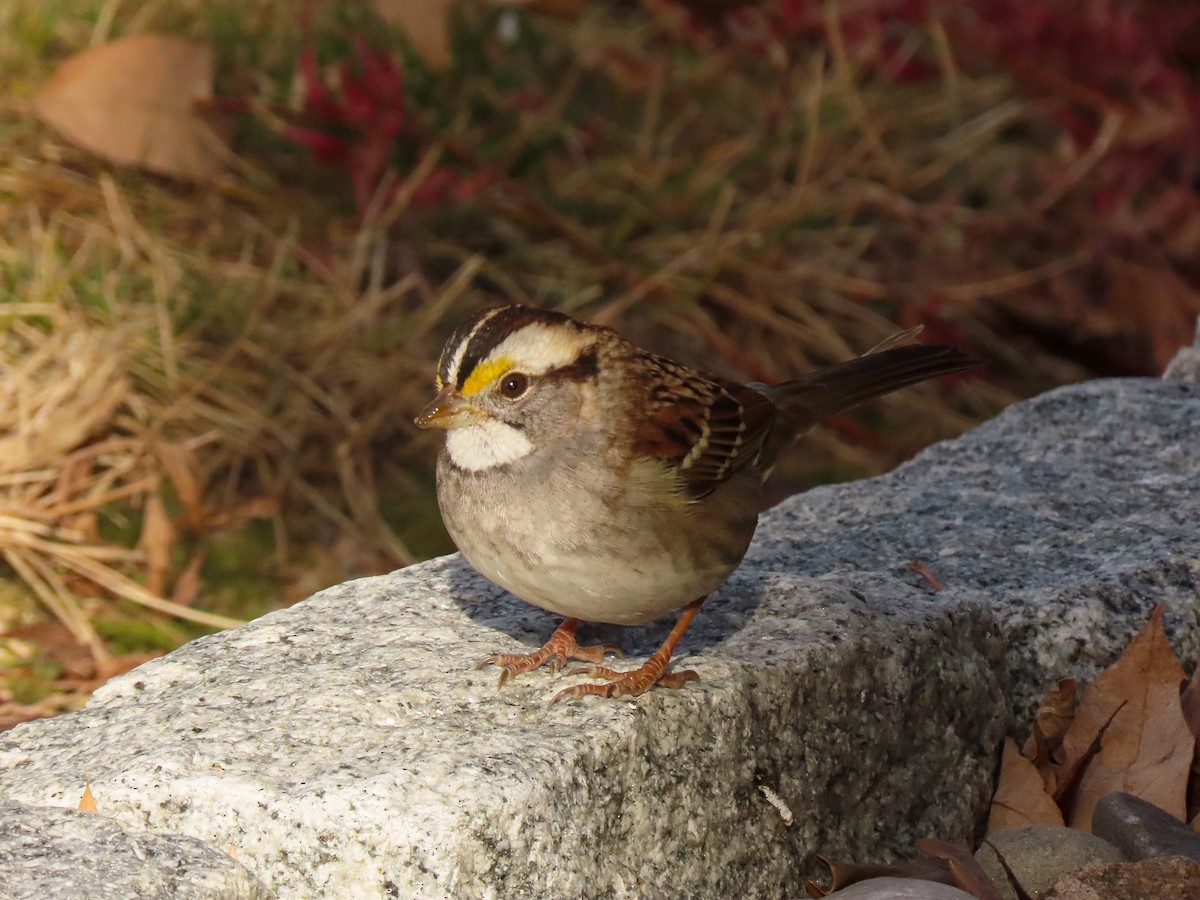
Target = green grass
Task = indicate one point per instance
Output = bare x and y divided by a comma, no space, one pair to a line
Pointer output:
758,215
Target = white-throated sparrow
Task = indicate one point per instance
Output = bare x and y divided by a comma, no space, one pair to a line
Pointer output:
607,484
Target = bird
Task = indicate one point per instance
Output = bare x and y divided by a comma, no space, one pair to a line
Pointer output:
606,483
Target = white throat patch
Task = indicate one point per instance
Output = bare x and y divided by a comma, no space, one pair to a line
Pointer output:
486,444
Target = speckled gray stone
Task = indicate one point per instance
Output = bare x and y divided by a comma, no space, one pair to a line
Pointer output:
1068,516
50,852
1039,854
347,746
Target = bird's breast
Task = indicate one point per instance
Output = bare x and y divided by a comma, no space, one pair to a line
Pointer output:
578,544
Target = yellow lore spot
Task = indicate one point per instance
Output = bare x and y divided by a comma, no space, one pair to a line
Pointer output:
485,373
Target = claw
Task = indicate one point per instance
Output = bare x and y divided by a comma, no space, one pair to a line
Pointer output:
633,683
624,684
556,652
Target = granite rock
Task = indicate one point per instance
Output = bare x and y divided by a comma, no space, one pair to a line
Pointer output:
1068,517
70,855
347,746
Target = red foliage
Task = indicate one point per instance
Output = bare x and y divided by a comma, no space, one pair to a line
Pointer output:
358,123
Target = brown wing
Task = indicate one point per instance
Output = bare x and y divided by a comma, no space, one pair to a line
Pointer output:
706,427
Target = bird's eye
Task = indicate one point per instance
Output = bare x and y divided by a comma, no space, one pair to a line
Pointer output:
514,385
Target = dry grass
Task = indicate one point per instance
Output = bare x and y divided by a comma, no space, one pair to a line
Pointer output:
206,395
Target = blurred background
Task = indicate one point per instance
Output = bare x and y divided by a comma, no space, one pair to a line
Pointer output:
235,233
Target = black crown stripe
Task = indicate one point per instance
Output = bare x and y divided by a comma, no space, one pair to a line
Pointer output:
486,331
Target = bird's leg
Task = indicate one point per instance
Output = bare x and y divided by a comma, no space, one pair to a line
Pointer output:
557,651
653,671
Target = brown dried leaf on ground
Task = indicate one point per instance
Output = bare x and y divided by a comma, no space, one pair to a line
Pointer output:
1053,718
563,9
1021,798
134,101
967,873
845,874
426,25
1147,750
1190,701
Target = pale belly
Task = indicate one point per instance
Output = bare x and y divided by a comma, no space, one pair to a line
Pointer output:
625,573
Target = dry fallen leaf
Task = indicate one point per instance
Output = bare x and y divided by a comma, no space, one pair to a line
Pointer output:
966,871
1190,701
1021,797
844,874
425,23
919,567
1147,750
1053,718
133,101
563,9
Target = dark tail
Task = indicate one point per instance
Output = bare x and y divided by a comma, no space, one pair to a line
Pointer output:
826,392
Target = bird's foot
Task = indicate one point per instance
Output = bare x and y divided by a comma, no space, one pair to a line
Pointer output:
556,652
626,684
653,671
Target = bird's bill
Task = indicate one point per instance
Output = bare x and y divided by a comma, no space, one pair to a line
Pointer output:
448,410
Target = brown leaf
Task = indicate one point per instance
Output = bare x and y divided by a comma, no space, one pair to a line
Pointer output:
133,101
1190,702
1053,718
1147,750
919,566
87,803
1071,772
1020,797
425,23
844,874
967,873
561,9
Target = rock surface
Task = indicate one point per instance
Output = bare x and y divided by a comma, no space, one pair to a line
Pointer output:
69,855
1141,830
1068,516
1039,854
347,746
1186,364
1172,878
899,889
